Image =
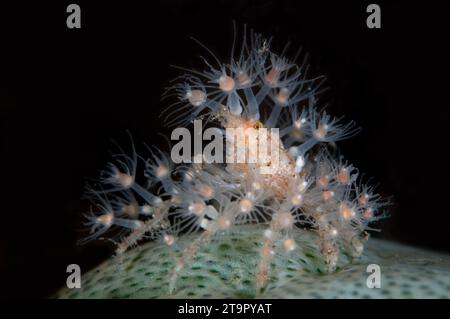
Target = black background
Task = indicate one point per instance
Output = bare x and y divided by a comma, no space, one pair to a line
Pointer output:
64,93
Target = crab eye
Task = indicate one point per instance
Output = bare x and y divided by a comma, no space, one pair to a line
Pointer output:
258,125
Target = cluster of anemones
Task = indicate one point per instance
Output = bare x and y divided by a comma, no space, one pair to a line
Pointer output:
310,187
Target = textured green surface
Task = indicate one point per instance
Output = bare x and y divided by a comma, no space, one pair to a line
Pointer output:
227,269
